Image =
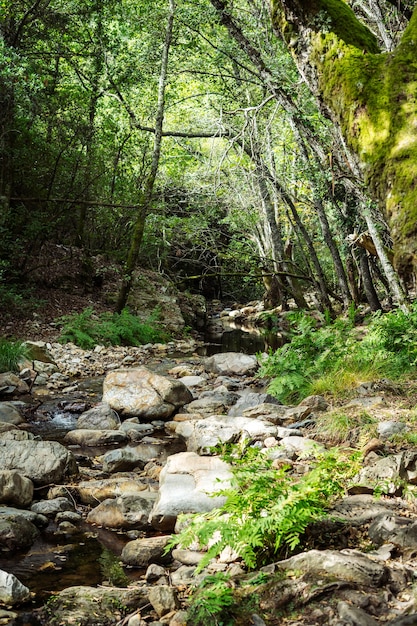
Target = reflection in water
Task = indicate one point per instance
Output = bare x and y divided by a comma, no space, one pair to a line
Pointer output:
247,341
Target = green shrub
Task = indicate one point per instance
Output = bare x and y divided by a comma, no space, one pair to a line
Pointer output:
331,357
87,329
267,510
11,352
211,602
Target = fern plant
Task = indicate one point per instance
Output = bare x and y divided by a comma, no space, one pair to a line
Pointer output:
87,329
267,510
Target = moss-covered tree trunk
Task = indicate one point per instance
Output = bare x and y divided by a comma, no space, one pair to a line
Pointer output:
372,97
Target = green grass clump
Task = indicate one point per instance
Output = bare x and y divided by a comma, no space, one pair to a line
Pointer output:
330,358
88,329
11,352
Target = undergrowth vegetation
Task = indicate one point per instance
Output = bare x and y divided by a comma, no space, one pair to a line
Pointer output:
88,329
266,510
332,356
11,352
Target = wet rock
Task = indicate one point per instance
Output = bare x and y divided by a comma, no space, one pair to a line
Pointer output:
12,591
142,552
94,491
15,489
187,484
50,508
10,414
16,532
134,430
128,511
231,364
44,462
100,417
139,392
202,435
131,457
93,438
345,565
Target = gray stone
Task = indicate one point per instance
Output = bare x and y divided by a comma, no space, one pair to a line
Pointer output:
12,591
345,565
142,393
142,552
389,428
10,415
94,491
202,435
163,599
129,511
251,400
50,508
44,462
93,438
100,417
187,484
231,364
15,489
16,532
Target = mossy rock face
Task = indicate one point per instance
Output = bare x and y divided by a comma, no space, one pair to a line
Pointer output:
372,96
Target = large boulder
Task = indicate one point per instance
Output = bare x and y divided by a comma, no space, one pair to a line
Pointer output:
231,364
93,438
142,552
128,511
94,491
187,484
44,462
202,435
15,489
142,393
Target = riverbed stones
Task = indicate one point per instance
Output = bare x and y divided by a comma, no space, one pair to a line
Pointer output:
17,532
12,591
142,552
95,438
347,565
10,414
202,435
92,492
231,364
50,508
15,489
99,417
11,383
187,484
163,599
142,393
44,462
127,511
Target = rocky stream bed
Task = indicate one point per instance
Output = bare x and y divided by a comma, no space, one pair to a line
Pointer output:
101,450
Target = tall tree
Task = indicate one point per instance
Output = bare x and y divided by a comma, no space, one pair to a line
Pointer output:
371,97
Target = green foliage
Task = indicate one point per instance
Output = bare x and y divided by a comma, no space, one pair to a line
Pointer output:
11,352
339,427
87,329
267,510
332,358
112,569
211,602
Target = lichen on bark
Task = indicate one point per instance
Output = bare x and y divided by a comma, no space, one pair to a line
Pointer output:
372,96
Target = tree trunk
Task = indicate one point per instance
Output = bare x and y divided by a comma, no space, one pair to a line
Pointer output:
146,199
370,97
